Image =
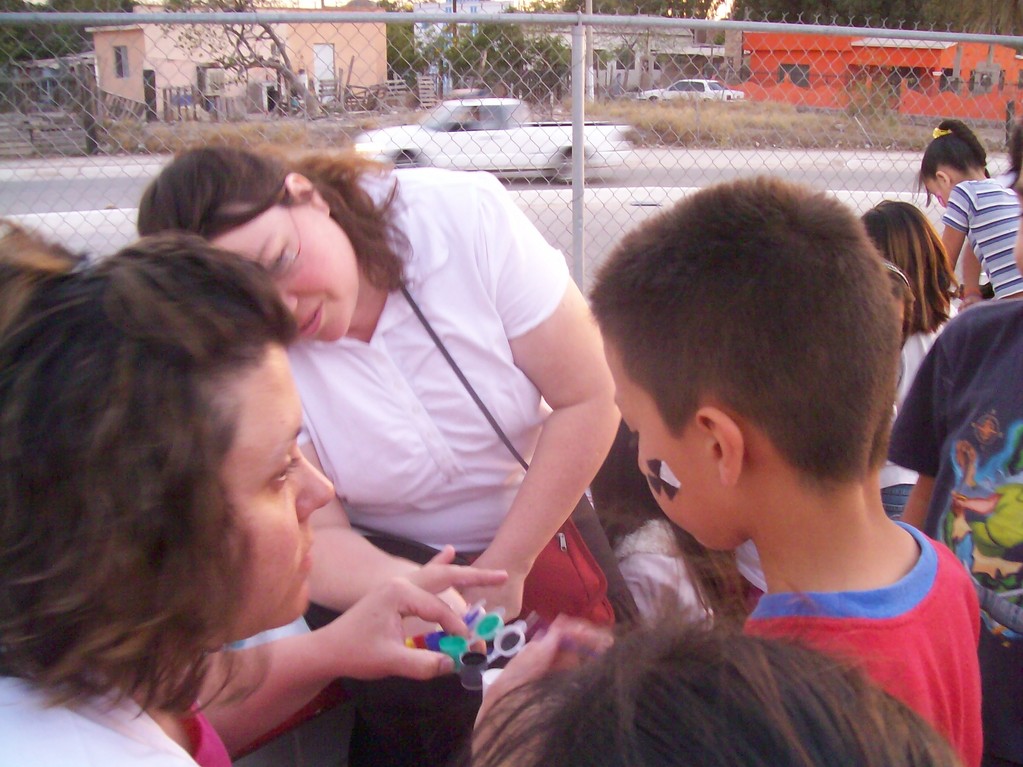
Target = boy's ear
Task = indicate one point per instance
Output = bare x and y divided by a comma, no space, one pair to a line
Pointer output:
302,190
728,443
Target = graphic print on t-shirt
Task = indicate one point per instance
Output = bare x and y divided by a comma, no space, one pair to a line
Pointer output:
983,520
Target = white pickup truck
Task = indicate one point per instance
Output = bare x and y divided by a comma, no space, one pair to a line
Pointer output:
497,135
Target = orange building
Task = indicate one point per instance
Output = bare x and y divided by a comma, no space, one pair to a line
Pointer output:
918,77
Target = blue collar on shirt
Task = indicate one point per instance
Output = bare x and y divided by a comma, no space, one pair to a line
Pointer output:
887,602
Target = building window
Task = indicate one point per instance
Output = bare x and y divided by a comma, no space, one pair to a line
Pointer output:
982,82
946,82
797,74
121,61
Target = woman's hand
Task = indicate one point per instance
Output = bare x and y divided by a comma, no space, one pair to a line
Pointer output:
567,643
507,595
414,625
370,636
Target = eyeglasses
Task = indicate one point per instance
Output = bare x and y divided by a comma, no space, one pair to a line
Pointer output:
895,271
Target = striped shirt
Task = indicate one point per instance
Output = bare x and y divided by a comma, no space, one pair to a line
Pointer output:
988,214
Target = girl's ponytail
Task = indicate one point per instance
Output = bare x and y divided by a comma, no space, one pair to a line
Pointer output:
955,146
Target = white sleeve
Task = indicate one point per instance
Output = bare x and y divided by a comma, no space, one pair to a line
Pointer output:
660,583
525,275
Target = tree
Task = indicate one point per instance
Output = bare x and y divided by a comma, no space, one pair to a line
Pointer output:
506,56
675,9
404,55
44,41
906,13
996,17
238,48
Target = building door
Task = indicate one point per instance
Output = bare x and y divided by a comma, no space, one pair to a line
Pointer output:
149,93
323,62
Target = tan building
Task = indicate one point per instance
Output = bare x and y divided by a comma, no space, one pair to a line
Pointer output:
164,71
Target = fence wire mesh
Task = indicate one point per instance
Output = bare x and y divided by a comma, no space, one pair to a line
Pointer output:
92,106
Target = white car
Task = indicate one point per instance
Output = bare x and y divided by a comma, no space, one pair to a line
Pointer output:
710,90
496,135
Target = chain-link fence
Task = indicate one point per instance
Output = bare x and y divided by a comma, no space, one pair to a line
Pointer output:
596,121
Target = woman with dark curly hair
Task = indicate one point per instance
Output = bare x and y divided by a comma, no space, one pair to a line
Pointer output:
154,508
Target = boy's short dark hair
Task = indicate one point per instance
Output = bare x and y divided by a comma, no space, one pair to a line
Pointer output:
769,298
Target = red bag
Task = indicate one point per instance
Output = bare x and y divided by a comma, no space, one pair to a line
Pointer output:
566,578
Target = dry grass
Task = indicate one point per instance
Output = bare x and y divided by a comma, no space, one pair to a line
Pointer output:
723,125
746,124
132,136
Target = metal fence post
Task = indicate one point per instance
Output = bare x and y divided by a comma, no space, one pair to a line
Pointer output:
1010,120
579,65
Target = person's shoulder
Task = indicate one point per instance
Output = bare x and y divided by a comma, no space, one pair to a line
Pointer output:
988,188
34,732
431,182
22,705
976,184
981,326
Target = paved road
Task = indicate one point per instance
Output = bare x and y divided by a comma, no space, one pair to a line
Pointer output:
42,186
89,202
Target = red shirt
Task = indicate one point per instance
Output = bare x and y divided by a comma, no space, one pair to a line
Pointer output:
917,639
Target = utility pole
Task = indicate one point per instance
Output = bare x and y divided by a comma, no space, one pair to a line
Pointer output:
590,73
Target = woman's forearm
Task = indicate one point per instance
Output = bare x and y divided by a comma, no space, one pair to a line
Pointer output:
571,448
346,567
564,357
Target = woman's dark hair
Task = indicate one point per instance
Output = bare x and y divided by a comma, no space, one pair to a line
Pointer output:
211,190
624,503
120,563
1016,155
671,696
26,259
956,146
904,236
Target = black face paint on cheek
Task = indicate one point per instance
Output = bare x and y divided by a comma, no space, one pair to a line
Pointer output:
658,485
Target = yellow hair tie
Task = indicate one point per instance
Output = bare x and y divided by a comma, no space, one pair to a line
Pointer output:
939,132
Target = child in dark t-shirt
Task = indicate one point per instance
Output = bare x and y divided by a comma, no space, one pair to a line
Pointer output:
961,428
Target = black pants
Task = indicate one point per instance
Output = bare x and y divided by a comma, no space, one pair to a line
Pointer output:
403,722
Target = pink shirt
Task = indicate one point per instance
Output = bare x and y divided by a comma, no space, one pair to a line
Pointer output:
208,749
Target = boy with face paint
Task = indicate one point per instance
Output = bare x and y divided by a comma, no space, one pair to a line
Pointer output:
753,341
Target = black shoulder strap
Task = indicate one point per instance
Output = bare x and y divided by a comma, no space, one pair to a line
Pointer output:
461,377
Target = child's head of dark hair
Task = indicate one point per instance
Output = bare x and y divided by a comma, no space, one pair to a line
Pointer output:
672,696
954,146
904,236
768,298
1016,154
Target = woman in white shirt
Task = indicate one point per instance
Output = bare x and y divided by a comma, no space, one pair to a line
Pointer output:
906,239
351,245
154,507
